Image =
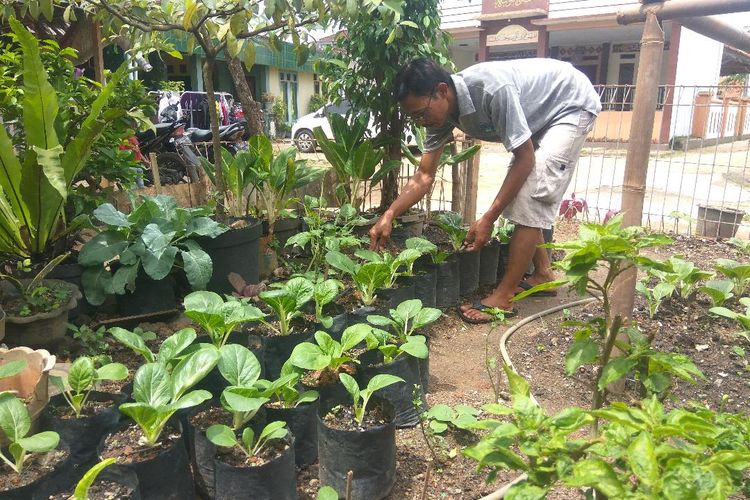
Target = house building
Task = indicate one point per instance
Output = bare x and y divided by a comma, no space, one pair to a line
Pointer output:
586,33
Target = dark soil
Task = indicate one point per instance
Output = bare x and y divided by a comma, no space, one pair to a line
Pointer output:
238,458
210,416
90,409
318,378
129,446
342,418
37,465
45,299
437,236
102,490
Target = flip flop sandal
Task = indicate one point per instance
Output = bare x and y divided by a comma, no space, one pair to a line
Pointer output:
525,285
478,306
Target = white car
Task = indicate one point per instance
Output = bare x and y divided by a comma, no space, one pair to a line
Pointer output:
302,130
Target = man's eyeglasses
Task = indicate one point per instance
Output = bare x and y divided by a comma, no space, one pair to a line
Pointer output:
418,116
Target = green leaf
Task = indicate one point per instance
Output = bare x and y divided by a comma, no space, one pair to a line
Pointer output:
615,370
382,380
40,442
351,386
175,344
221,435
151,385
109,215
274,430
193,368
191,399
327,493
582,351
595,473
642,459
102,248
309,356
112,371
526,491
82,375
197,264
133,342
519,388
353,335
14,418
415,348
238,365
242,399
82,488
158,259
12,368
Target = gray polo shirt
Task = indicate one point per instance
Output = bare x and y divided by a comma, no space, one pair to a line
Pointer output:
509,101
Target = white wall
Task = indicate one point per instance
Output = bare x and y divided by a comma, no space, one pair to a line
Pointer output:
305,91
575,8
698,66
459,13
462,58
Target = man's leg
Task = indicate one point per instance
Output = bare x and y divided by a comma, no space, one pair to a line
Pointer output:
542,268
523,243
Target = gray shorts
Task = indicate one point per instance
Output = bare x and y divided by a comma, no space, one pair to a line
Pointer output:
538,200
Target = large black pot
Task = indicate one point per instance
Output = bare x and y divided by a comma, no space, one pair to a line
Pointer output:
369,454
502,260
489,256
236,250
468,267
302,424
283,230
425,285
150,296
409,226
83,434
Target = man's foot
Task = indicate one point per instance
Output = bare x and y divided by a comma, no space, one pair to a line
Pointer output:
476,313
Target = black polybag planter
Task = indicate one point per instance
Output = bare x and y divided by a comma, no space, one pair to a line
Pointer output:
468,267
123,477
214,382
82,435
167,476
447,286
274,480
360,314
278,348
502,260
425,285
301,423
283,230
489,256
202,451
394,296
400,394
369,454
149,296
61,478
236,250
340,322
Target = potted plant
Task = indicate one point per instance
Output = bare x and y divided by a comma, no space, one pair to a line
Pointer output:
298,409
238,249
405,354
325,293
367,277
503,232
251,467
150,243
151,443
359,438
27,455
94,484
445,267
38,174
425,274
80,415
354,159
37,308
468,262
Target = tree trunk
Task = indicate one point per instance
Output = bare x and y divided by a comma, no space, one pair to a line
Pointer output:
208,81
252,108
389,187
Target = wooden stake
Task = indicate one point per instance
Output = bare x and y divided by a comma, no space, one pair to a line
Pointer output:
427,477
457,192
155,172
472,185
349,478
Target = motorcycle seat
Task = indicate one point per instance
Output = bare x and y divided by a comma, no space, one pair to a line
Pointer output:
200,135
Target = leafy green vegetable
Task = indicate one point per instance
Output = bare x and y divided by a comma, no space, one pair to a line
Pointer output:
221,435
287,302
360,397
81,379
16,423
82,488
217,317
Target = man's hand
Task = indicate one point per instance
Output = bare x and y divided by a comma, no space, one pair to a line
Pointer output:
380,233
478,235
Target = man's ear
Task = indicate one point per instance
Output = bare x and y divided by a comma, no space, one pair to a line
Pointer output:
442,89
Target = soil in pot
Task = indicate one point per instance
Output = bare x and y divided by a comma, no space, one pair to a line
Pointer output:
238,251
104,489
269,474
368,450
43,474
152,464
448,283
202,451
468,268
82,434
301,423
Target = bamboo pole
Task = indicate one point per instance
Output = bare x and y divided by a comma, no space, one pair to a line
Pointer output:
155,172
472,185
639,147
457,192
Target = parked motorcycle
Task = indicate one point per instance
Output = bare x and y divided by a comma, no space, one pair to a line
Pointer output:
229,135
175,153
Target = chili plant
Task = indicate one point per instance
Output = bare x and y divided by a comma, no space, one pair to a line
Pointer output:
81,379
442,416
241,369
287,302
503,230
169,351
737,272
684,275
641,452
424,246
360,397
158,394
217,317
16,424
368,277
221,435
453,225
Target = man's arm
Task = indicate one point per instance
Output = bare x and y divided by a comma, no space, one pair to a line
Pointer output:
415,189
523,164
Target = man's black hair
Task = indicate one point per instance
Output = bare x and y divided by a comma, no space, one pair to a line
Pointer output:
420,77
